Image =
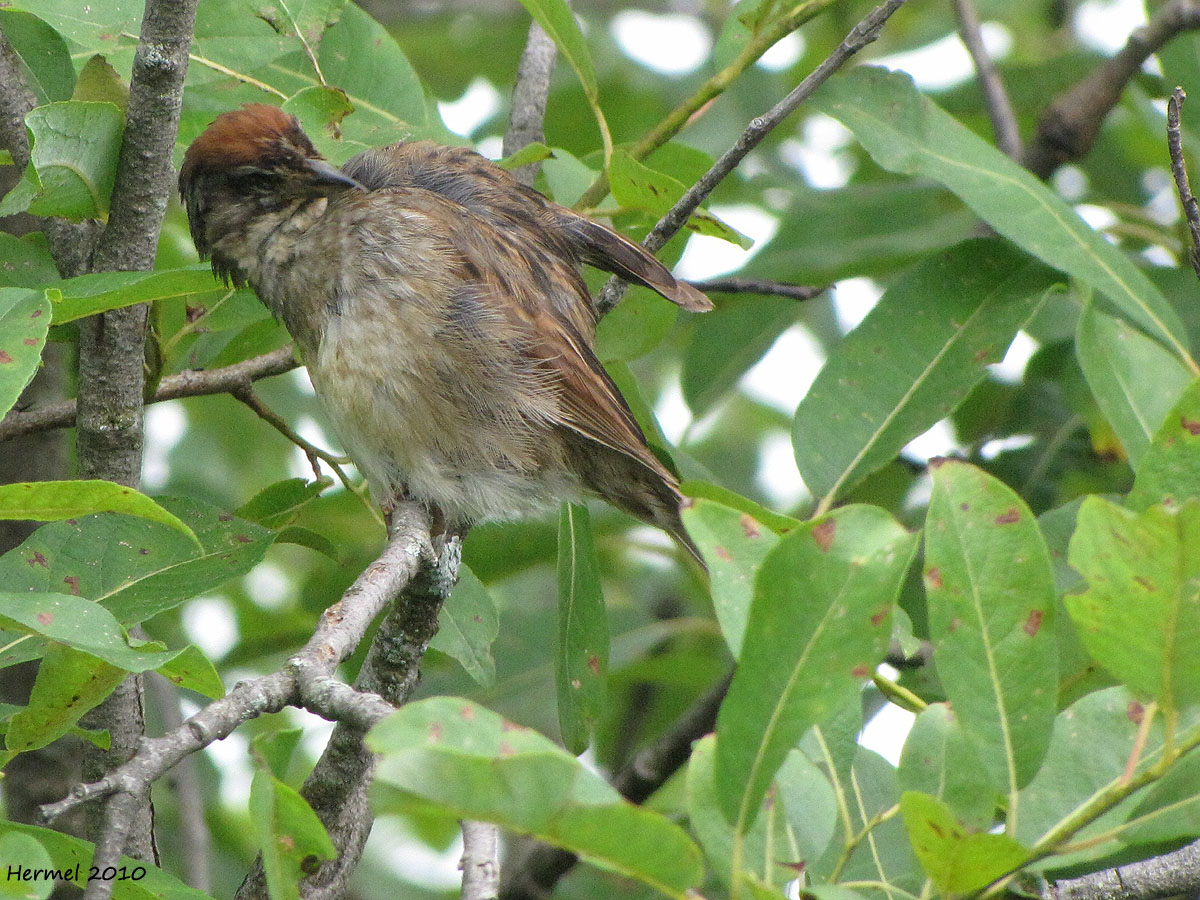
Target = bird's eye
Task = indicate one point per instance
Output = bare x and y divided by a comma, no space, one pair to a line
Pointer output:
255,182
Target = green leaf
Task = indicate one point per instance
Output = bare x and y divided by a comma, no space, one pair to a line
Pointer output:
133,567
777,522
20,853
27,261
1169,469
802,823
637,186
1134,379
581,660
956,859
638,325
304,19
558,22
99,82
915,357
907,133
1170,811
1089,751
1140,616
279,503
53,501
291,838
467,625
819,625
940,759
868,228
990,591
734,545
532,152
321,111
449,754
69,682
87,295
74,161
79,623
306,537
44,61
727,342
191,669
24,321
72,857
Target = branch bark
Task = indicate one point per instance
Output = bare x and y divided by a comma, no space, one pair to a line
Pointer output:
532,87
192,383
1191,209
1071,124
1170,875
995,97
337,787
305,681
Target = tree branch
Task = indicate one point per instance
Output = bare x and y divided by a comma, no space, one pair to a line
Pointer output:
532,87
301,682
860,36
1071,124
337,787
480,862
995,97
1191,209
1170,875
534,875
192,383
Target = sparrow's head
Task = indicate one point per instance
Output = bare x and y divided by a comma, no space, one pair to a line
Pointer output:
251,163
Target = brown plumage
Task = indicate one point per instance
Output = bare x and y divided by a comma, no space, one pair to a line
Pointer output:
439,308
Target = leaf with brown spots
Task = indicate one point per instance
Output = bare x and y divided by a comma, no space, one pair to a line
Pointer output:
993,580
22,335
1139,617
813,634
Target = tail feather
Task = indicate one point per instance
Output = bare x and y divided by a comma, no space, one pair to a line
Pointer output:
603,248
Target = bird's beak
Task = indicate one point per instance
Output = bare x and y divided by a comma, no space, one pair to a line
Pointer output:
324,173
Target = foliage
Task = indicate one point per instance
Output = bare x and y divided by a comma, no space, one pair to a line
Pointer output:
1048,565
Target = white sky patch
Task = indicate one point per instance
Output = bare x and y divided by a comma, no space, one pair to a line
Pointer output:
1011,369
308,428
302,382
852,300
777,473
491,146
1071,183
1105,25
992,449
939,440
165,426
672,412
671,43
268,586
1098,217
231,757
392,846
479,102
818,154
710,257
783,54
1163,205
945,63
886,731
782,377
210,625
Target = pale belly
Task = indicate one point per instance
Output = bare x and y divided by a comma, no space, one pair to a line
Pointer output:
414,423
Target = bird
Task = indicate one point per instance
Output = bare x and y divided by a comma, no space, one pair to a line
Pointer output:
440,309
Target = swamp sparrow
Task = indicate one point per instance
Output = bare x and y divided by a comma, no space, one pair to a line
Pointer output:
438,305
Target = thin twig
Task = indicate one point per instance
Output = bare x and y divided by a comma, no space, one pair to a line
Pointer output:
762,286
192,383
1069,127
995,97
860,36
527,119
1191,209
480,862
